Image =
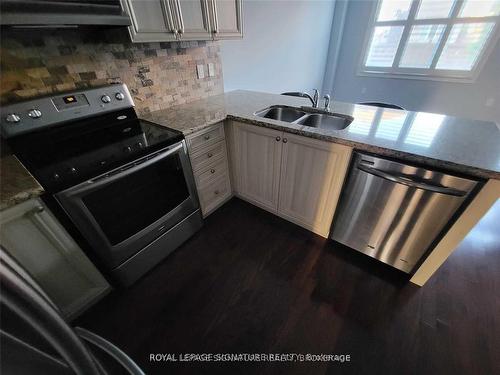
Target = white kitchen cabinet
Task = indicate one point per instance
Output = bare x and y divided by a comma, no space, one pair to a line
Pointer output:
256,162
207,151
228,23
193,16
312,174
152,20
34,237
171,20
296,177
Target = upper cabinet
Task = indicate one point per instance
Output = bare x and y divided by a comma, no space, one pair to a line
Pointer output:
177,20
227,19
192,17
152,20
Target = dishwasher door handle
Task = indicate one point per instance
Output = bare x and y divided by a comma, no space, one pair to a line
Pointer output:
412,183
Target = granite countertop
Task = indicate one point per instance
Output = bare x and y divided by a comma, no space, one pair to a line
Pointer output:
456,144
16,183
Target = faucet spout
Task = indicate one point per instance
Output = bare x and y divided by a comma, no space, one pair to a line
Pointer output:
300,95
314,99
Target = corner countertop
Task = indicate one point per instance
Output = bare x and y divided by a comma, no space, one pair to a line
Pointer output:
456,144
16,183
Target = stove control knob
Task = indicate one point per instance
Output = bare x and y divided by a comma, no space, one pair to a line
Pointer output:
119,96
139,144
12,118
35,113
105,99
128,149
56,176
73,170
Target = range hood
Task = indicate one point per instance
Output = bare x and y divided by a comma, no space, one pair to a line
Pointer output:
64,13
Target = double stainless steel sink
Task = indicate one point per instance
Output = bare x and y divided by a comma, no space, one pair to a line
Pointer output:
306,116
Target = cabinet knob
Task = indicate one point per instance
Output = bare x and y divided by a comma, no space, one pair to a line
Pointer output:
278,138
209,155
216,192
207,137
212,170
285,140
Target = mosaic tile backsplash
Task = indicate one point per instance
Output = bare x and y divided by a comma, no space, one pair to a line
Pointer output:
159,75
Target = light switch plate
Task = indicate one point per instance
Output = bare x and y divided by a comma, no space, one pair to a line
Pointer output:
211,70
200,71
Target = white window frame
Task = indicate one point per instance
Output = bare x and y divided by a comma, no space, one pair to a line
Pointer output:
430,73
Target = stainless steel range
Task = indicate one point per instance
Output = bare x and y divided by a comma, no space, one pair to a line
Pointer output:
126,184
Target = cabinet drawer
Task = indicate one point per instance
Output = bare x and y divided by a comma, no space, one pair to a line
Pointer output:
206,137
213,172
205,157
214,193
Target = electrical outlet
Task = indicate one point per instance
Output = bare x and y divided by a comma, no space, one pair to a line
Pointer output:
490,102
200,71
211,70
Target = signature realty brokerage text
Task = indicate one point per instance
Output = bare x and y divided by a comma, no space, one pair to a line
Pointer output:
248,357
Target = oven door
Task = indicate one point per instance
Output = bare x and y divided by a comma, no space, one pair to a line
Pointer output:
126,209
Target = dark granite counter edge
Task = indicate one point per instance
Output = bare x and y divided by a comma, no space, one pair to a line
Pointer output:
17,184
414,158
205,125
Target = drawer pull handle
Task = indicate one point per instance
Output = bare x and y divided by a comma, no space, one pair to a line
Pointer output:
207,137
209,154
212,170
216,192
278,138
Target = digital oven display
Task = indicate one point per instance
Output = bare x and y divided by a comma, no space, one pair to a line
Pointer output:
69,99
70,102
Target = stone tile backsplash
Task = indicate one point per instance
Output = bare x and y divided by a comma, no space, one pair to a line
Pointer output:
159,75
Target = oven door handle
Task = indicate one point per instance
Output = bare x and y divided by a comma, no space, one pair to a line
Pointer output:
135,166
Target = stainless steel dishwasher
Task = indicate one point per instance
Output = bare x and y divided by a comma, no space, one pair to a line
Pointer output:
393,212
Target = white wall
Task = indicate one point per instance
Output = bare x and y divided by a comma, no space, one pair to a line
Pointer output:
284,46
459,99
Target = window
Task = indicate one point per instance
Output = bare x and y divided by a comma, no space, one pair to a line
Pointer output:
431,38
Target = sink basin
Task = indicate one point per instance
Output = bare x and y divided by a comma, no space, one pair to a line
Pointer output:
326,121
306,116
281,113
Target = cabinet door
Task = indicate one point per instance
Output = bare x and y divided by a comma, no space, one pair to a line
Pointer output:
33,236
312,174
192,17
152,20
256,154
228,23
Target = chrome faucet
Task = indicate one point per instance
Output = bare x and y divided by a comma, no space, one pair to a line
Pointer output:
327,102
314,99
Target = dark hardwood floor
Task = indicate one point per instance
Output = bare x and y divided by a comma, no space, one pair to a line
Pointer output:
250,282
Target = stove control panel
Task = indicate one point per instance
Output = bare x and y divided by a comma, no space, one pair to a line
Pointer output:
25,117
